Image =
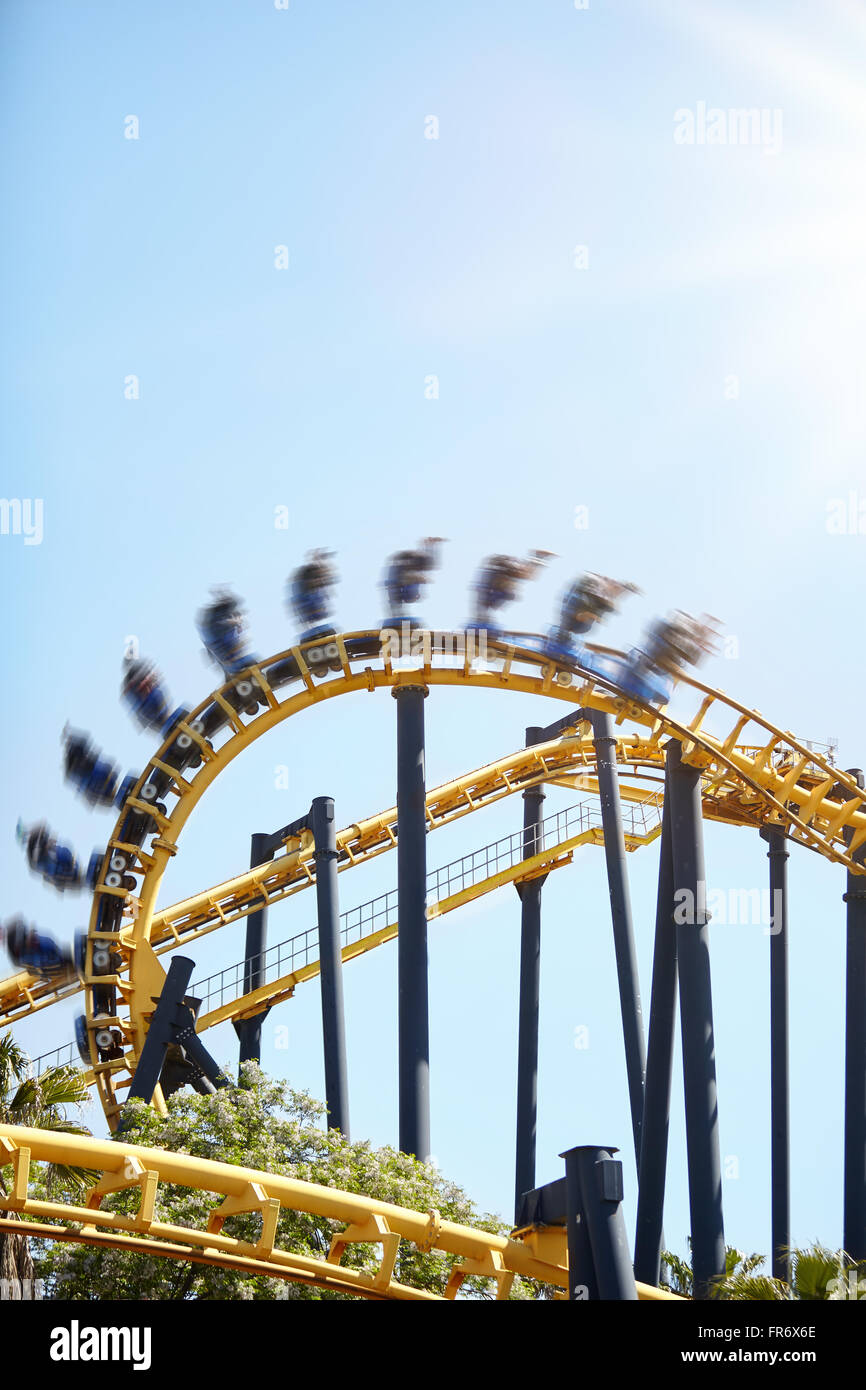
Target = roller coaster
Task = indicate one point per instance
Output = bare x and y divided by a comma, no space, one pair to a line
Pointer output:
643,773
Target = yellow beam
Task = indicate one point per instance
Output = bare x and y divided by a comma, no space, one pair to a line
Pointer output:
533,1255
225,1180
751,790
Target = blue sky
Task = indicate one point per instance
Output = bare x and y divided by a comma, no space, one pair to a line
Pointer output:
698,387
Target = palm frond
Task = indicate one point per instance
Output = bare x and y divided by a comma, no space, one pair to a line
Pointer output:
814,1269
14,1064
742,1287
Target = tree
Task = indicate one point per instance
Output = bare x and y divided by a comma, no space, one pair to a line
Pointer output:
39,1102
680,1278
265,1125
816,1274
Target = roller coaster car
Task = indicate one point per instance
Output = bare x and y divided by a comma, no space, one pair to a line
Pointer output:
156,784
135,828
94,864
109,1041
364,647
81,1038
104,961
115,874
323,655
283,673
174,718
570,653
109,914
184,751
648,684
245,695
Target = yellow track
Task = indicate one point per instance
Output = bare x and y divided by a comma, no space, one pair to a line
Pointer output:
640,828
569,762
537,1254
778,780
768,778
753,773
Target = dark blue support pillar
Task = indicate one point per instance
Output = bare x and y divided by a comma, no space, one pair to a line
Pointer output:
330,963
249,1030
593,1179
854,1217
413,1024
172,1025
159,1033
696,1017
530,980
582,1283
780,1175
659,1069
621,918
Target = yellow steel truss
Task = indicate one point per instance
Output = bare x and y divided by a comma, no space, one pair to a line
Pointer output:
234,1190
771,778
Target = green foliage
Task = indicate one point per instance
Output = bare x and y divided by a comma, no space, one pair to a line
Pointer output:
817,1274
265,1125
40,1103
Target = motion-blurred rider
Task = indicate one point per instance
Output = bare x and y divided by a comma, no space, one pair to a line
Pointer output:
143,692
406,575
309,594
94,777
589,600
55,863
670,644
32,950
221,627
498,583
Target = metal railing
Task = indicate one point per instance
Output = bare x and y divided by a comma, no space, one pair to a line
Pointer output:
358,923
639,819
65,1056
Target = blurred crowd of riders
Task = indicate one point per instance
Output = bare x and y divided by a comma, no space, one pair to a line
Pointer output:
670,644
647,671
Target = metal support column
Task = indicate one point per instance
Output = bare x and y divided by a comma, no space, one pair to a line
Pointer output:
621,918
659,1069
594,1178
330,963
173,1027
696,1019
530,979
413,1012
780,1165
854,1208
582,1281
249,1030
